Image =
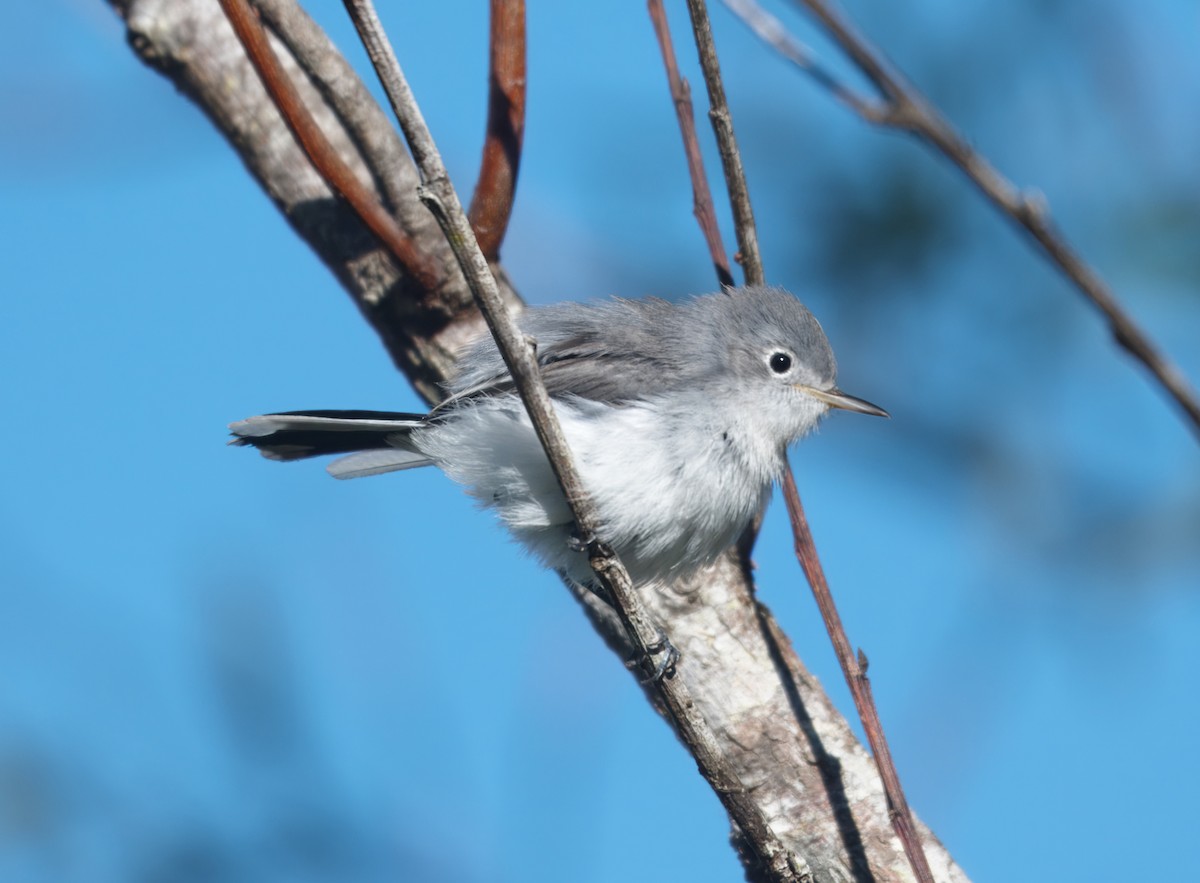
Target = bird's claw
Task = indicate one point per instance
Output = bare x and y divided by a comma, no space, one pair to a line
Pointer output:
660,660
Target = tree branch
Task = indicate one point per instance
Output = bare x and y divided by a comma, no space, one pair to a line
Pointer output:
855,671
904,108
321,152
681,95
382,151
731,159
492,202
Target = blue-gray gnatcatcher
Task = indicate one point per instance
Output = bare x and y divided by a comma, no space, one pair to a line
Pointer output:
677,415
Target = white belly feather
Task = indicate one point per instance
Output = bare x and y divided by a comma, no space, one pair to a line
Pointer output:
668,501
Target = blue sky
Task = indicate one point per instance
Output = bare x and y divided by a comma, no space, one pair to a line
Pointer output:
216,668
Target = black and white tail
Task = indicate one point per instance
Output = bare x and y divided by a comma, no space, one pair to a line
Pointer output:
376,441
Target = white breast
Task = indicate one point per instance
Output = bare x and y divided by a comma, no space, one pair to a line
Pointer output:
668,500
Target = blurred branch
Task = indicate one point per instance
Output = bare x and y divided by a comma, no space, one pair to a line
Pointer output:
731,159
681,95
492,202
770,30
855,671
520,357
904,108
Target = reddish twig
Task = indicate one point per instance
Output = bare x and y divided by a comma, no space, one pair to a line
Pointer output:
492,203
731,159
323,155
334,79
901,106
855,670
681,94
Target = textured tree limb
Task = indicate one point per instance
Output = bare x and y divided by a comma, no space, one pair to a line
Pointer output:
492,202
731,159
191,43
904,108
855,671
382,152
681,96
321,152
788,744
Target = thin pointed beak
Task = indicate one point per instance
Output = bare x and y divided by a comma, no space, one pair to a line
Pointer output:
835,398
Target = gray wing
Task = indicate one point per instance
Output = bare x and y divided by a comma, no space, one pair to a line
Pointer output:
613,352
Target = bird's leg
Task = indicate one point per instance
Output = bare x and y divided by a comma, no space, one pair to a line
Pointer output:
661,657
577,542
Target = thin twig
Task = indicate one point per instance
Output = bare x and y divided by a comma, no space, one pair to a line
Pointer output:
731,160
681,94
520,358
855,671
492,202
903,107
340,178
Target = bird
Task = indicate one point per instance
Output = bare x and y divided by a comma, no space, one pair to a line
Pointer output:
678,416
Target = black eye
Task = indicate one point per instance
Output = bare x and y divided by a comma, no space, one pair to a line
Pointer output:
780,363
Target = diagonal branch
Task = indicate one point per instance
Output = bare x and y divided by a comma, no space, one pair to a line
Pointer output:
324,157
382,150
903,107
492,202
731,159
520,358
681,94
771,31
855,672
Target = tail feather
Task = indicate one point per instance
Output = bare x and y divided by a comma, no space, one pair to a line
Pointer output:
295,435
364,463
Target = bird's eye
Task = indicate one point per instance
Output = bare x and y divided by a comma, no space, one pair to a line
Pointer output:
780,363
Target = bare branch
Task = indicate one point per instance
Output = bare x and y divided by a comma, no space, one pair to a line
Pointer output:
906,109
520,357
731,159
681,94
338,175
380,146
855,671
492,202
